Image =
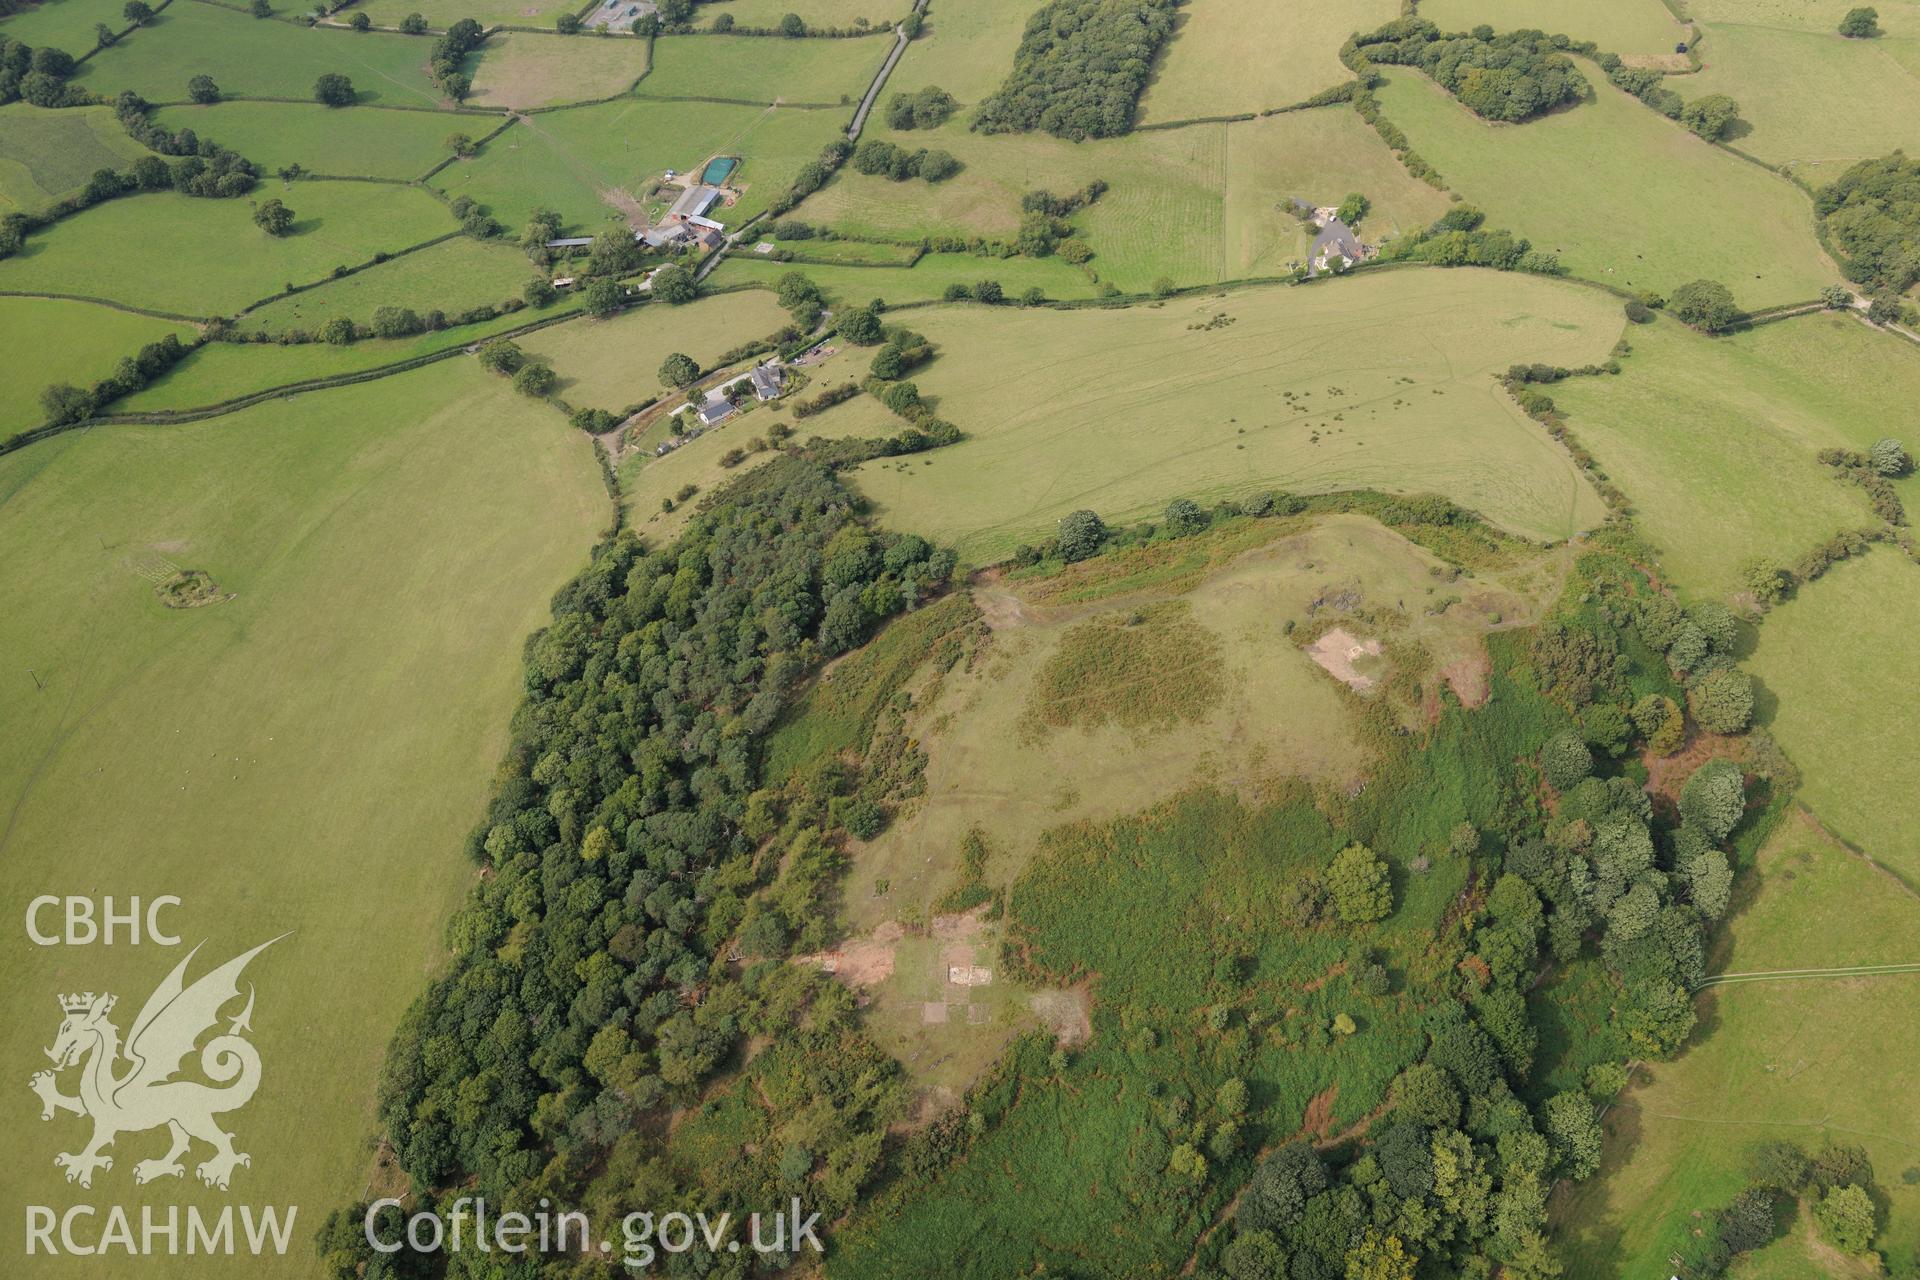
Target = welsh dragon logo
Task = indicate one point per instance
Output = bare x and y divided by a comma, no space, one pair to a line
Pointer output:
142,1092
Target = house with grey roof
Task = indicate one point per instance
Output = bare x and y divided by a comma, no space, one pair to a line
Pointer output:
694,202
769,380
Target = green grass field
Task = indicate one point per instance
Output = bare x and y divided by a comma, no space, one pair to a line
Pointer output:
1830,657
1801,93
608,364
1621,194
374,143
1898,17
1626,27
216,261
1810,1061
46,155
451,276
967,51
818,13
589,162
1740,478
1123,410
519,71
303,758
255,58
64,24
1196,205
763,69
925,281
50,341
442,14
1205,70
220,371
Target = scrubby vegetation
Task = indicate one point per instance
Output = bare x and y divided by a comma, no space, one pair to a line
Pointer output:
1080,69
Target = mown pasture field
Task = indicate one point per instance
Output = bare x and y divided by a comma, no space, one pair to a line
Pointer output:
216,261
1616,190
966,50
63,24
521,70
1814,1062
611,363
1834,662
1898,17
46,155
1714,439
855,253
372,143
1232,56
451,276
51,341
304,758
817,13
1630,28
764,69
925,281
1381,381
593,164
441,14
259,58
221,371
1196,205
1801,95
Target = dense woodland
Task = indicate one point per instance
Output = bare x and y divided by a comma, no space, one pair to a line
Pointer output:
1080,69
1512,76
1872,212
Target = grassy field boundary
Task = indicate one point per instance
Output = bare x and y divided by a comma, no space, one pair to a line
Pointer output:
479,144
102,302
1339,94
175,417
119,35
724,102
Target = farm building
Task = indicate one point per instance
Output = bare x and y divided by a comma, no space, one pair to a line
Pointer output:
694,202
570,242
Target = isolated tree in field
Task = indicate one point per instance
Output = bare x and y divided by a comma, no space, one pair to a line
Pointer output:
603,297
138,12
1081,533
462,145
535,379
260,9
1722,701
679,370
414,24
792,25
360,22
1862,23
674,285
273,217
1749,1221
795,291
104,35
1890,458
1705,304
337,331
859,326
1566,760
1353,208
333,90
1362,891
567,24
1767,580
1836,297
938,166
203,90
1714,798
1710,116
1847,1218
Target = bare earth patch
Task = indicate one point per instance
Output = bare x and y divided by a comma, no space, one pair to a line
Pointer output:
1338,650
862,964
1068,1014
1468,679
